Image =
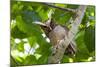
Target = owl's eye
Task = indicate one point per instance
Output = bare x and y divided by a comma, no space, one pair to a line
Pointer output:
45,26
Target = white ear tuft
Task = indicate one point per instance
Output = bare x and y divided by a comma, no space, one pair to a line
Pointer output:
39,23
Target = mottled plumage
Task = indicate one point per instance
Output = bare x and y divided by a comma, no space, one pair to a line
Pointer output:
57,33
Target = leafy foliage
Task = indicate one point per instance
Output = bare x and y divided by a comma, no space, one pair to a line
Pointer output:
29,45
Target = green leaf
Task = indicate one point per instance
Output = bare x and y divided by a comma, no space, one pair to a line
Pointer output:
61,17
30,59
16,33
43,12
32,41
72,6
20,46
82,51
90,38
26,27
65,59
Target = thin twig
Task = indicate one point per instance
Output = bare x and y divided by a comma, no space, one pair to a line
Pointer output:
64,9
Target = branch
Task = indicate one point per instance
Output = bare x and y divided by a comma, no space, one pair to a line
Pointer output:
77,22
63,44
64,9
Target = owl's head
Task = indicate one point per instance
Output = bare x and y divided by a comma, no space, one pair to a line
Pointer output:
47,26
